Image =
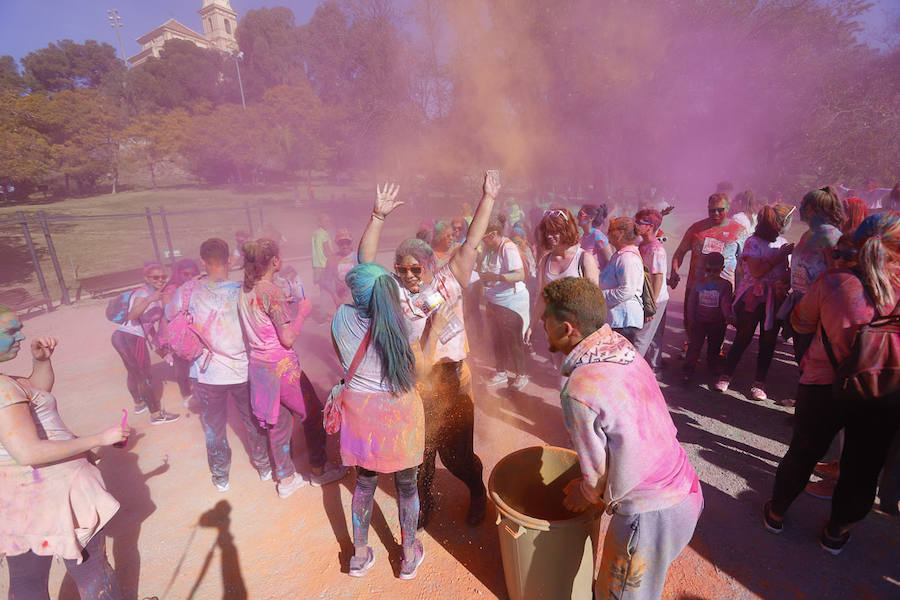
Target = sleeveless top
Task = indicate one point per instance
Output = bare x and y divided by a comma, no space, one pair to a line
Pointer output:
574,268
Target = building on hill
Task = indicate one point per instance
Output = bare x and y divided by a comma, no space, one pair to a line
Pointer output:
219,24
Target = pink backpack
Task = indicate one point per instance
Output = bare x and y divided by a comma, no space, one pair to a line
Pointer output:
183,336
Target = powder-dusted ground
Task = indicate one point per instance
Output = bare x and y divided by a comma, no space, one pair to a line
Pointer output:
175,537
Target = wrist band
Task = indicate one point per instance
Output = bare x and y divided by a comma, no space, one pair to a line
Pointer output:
377,217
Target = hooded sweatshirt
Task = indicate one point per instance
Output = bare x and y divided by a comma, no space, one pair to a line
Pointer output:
621,429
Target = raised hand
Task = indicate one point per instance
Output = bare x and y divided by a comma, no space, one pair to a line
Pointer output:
386,199
42,348
492,183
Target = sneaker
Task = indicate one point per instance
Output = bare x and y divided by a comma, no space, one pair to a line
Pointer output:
331,474
833,545
499,379
758,392
164,417
477,511
519,382
140,408
266,476
722,384
286,489
222,487
409,569
774,525
821,489
828,470
360,566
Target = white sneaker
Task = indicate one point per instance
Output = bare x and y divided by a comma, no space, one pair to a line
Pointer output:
520,382
499,379
267,476
286,489
722,384
758,392
223,487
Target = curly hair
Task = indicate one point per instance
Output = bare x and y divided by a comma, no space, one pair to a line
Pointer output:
577,300
559,221
418,249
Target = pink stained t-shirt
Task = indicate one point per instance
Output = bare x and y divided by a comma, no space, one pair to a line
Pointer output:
260,309
836,301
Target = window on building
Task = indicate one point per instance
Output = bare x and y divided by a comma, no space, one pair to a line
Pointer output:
227,26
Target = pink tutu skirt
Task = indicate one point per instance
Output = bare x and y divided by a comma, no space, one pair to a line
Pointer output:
382,432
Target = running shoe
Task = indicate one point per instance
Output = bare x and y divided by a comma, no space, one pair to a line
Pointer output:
360,566
331,474
519,382
499,379
774,525
821,489
408,569
222,487
833,545
758,392
140,408
164,417
722,384
266,475
286,489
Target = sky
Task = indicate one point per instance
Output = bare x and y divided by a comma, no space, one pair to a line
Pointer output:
27,25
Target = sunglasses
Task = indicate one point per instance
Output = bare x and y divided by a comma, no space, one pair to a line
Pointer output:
416,270
717,210
556,213
643,223
844,253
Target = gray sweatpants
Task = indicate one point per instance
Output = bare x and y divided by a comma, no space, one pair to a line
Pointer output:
638,550
650,333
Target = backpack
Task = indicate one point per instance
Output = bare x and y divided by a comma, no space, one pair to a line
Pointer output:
117,307
870,374
648,302
182,336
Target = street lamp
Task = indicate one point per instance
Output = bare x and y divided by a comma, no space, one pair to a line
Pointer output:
238,56
115,21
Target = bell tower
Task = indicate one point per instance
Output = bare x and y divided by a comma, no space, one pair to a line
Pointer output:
219,24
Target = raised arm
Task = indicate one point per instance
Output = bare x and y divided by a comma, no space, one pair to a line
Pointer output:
385,202
42,369
464,259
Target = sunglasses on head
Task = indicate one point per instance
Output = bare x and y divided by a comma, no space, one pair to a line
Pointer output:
403,269
555,212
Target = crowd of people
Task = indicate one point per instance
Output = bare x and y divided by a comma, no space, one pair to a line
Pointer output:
580,291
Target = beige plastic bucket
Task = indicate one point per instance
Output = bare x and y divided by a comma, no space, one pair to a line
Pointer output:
546,549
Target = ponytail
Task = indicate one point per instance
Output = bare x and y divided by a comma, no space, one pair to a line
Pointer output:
258,255
878,241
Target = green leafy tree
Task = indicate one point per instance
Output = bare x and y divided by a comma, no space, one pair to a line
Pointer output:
66,65
10,79
270,41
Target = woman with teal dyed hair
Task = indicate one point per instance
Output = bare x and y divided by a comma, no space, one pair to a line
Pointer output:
429,293
382,420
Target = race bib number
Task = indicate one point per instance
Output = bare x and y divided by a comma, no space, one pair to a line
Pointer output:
709,298
713,245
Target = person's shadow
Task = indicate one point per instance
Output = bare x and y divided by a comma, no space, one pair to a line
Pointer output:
128,484
219,517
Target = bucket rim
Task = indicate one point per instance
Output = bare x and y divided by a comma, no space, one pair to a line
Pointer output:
528,521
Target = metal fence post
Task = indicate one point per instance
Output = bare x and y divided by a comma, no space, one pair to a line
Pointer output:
249,218
34,259
153,234
59,276
165,224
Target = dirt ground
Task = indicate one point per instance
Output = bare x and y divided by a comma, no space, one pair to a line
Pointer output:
176,537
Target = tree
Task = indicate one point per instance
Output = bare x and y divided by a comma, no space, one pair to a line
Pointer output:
182,75
66,65
24,151
270,41
10,79
157,137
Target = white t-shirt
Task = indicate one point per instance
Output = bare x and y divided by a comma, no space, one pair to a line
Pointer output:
348,328
506,260
134,327
445,283
214,307
654,256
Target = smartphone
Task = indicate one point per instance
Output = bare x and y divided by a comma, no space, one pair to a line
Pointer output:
494,175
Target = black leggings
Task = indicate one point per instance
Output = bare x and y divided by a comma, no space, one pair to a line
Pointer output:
509,344
867,436
136,356
29,574
746,327
182,370
407,505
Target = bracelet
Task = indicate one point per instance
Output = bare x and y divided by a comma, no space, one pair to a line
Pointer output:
377,217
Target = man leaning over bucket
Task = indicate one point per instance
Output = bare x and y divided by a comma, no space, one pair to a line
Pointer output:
631,462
